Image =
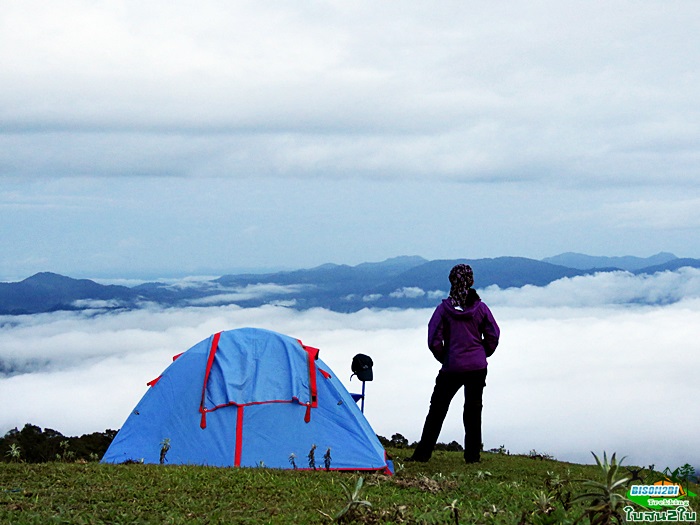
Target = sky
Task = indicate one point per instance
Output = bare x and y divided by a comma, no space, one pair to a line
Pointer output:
594,374
157,139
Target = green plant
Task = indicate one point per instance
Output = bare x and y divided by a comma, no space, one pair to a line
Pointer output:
547,511
551,505
65,455
14,453
537,455
164,447
544,502
559,488
327,459
604,503
454,510
312,457
500,450
354,501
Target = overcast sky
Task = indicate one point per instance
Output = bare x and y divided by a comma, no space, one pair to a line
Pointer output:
592,375
169,138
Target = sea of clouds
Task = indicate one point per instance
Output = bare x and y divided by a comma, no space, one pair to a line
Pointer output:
608,362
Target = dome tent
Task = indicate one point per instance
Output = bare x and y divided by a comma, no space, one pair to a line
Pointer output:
249,397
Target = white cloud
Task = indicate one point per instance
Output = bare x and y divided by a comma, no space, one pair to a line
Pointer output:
662,214
248,292
457,90
564,381
141,134
287,303
607,288
413,292
198,281
96,304
410,292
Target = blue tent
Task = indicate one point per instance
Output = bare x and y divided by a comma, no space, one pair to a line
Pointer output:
249,397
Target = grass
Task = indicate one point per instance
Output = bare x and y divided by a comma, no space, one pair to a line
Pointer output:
507,489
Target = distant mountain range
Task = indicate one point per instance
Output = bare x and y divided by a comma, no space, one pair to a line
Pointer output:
400,282
628,262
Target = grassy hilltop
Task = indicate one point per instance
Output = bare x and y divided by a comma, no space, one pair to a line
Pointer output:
503,488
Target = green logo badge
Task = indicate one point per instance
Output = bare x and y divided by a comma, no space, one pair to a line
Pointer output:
666,499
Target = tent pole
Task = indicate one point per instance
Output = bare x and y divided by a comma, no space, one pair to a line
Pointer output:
362,406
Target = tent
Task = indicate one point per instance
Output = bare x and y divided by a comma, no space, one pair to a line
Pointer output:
245,398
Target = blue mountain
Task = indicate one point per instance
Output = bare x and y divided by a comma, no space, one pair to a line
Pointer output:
626,262
400,282
47,292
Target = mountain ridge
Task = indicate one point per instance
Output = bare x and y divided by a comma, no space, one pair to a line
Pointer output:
399,282
630,263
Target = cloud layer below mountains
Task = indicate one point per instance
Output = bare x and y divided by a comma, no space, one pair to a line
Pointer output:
576,371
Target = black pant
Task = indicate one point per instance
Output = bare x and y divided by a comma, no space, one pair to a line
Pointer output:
446,386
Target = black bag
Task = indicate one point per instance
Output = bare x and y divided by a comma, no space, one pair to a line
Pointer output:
362,367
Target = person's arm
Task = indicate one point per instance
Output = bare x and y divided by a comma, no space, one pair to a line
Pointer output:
490,331
435,335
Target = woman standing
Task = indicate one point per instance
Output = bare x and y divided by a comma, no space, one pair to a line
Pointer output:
462,333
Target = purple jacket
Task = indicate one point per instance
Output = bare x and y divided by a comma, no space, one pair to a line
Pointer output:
462,340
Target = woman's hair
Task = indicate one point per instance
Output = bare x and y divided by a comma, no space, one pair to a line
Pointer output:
462,280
